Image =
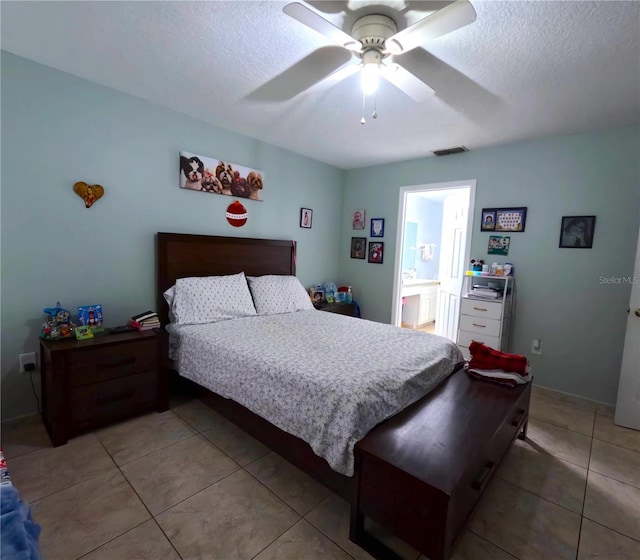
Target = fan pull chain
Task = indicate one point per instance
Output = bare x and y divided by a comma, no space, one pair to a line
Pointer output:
363,120
375,105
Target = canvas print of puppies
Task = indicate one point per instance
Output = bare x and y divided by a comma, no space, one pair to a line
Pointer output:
201,173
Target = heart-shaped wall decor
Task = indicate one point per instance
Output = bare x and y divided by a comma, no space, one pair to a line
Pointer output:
88,193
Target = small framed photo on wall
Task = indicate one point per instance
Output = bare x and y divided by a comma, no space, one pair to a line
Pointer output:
376,252
358,219
377,227
499,245
306,216
358,247
576,232
488,220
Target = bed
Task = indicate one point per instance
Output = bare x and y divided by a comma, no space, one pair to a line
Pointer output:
418,473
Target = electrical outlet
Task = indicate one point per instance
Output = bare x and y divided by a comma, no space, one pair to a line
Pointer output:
28,358
536,347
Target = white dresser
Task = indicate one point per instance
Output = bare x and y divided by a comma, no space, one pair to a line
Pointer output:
483,319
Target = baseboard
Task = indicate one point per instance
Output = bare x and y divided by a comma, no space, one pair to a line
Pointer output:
578,397
34,413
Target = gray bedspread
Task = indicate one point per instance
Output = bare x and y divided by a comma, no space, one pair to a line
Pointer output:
325,378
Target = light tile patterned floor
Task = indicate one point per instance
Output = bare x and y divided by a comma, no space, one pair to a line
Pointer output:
188,484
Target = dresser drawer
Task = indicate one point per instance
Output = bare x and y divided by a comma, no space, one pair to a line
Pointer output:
114,398
465,338
480,325
98,364
480,308
507,432
485,464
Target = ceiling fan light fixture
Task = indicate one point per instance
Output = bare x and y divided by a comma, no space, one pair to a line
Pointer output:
370,73
370,78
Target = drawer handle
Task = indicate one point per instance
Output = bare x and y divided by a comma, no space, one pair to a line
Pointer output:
476,325
483,476
116,363
114,398
516,421
480,309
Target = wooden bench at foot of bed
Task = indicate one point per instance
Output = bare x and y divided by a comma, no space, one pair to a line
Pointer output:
421,478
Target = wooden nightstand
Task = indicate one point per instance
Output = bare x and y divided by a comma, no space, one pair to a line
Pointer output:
340,308
90,383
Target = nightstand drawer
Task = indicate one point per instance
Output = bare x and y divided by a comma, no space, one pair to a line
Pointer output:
94,365
480,308
115,398
340,308
480,325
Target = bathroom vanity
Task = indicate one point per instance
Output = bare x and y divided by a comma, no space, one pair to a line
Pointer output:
420,298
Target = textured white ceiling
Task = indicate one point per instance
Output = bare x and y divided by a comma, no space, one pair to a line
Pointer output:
522,70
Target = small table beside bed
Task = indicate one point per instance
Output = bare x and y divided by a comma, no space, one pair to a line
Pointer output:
383,416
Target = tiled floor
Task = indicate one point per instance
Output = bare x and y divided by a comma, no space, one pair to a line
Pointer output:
187,484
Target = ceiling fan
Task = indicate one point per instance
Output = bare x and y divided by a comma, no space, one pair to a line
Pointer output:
375,40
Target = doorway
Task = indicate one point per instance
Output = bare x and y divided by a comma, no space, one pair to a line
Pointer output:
434,244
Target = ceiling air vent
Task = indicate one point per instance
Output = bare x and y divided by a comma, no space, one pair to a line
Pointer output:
449,151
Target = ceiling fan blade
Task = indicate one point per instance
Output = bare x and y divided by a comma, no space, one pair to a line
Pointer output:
452,87
407,82
447,19
316,22
337,76
302,75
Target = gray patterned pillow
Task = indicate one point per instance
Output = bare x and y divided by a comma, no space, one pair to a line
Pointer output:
210,299
278,294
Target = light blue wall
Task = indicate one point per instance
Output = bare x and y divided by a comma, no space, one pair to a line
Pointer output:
561,300
58,129
409,247
428,215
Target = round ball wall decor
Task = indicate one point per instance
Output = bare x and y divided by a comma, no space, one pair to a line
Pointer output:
236,214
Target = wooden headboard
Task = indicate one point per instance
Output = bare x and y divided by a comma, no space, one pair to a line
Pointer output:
181,255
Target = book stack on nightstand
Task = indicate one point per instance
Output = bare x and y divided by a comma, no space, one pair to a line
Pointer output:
145,321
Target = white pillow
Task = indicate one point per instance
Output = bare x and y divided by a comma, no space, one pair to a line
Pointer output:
209,299
169,296
278,294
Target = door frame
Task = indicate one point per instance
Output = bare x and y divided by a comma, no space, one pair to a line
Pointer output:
627,412
396,301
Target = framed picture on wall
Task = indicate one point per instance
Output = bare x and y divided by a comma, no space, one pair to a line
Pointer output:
576,232
503,219
358,219
358,247
498,245
306,216
376,252
377,227
488,220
